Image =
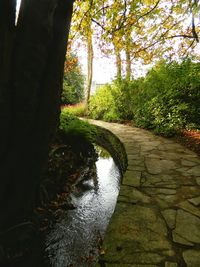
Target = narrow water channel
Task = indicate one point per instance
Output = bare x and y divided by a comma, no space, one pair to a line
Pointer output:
75,240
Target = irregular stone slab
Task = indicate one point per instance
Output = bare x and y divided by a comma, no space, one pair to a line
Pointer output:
151,143
194,171
188,163
198,180
187,227
135,168
135,157
192,257
171,155
183,171
127,265
134,235
132,195
160,191
132,151
170,217
159,180
170,200
179,239
195,201
192,157
171,264
147,148
155,166
137,162
185,205
172,146
132,178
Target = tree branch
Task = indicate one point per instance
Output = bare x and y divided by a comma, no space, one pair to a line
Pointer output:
146,14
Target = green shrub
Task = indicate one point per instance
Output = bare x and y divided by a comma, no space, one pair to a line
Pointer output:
166,100
121,91
77,128
101,105
169,98
112,102
77,109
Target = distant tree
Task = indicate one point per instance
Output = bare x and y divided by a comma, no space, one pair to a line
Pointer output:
147,30
82,28
73,82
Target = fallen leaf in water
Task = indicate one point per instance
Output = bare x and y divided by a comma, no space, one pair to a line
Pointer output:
102,252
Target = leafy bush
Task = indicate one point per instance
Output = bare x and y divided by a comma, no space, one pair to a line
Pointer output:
169,98
101,105
166,100
121,91
112,102
76,128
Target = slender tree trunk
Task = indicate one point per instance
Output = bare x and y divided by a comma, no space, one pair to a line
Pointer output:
90,55
128,58
30,94
118,62
128,65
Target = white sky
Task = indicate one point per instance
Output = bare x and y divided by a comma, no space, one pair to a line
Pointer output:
103,67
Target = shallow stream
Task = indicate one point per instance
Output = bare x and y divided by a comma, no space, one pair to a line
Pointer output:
75,240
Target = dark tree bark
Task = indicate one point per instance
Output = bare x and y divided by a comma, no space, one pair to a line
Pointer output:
31,71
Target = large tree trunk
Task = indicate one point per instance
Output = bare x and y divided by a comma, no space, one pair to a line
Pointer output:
90,55
30,97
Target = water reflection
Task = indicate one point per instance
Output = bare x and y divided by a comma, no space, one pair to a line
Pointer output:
74,241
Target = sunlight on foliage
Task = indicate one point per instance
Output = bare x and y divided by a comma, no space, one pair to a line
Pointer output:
166,100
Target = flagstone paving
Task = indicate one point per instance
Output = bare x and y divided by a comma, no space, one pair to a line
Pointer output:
157,217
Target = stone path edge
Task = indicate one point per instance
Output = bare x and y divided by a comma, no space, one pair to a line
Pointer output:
156,222
114,146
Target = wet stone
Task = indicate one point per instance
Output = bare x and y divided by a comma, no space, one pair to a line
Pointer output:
195,201
187,228
159,180
187,206
171,264
194,171
135,168
188,163
127,265
132,195
161,191
138,231
132,178
198,180
192,258
155,166
170,217
181,240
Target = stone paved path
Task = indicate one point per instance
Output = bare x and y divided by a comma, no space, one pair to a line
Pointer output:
157,217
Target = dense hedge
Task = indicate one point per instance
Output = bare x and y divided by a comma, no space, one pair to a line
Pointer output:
166,100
